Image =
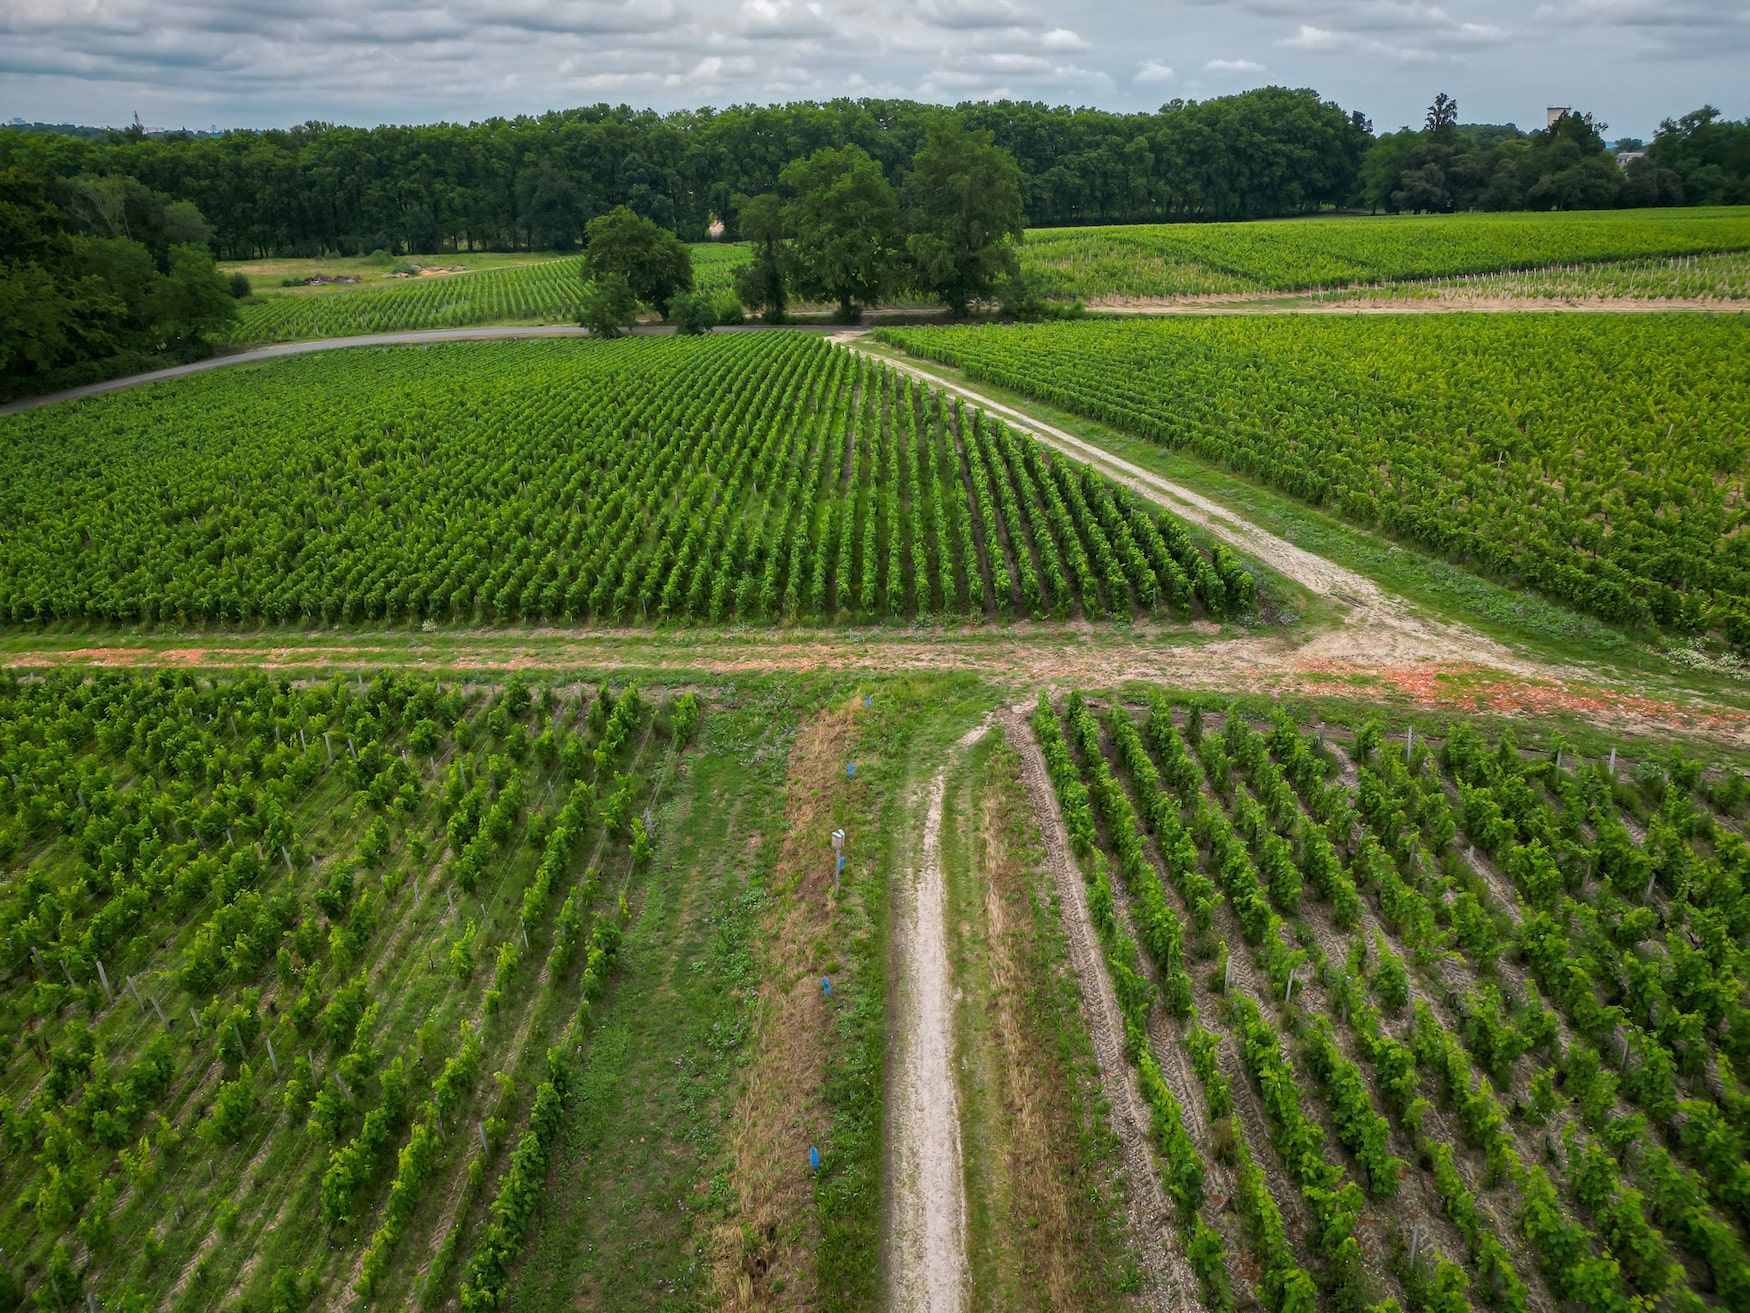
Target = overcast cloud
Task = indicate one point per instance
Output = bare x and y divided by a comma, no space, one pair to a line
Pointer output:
263,63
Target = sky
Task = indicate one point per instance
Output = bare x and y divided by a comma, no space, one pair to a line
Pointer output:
274,63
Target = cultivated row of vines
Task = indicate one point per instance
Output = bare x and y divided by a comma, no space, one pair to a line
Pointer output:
1435,1019
1520,445
294,979
542,292
1228,259
756,477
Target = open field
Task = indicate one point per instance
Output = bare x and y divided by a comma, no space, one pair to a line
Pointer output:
767,476
1516,445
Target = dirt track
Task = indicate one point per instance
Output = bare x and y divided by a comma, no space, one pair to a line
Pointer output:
926,1255
1022,657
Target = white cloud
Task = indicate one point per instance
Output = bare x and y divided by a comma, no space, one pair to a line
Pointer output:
1061,38
1309,37
1234,66
1152,70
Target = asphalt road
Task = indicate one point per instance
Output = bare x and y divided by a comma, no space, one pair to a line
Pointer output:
278,349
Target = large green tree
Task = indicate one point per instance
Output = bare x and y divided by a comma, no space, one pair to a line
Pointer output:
760,284
843,217
654,262
962,202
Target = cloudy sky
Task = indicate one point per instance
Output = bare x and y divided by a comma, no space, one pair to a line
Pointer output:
258,63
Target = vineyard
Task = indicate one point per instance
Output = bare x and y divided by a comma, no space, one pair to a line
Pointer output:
295,977
542,292
1543,255
1439,1018
756,477
1600,461
1227,259
1722,278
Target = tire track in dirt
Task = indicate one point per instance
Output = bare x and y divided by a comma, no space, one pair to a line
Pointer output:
1168,1281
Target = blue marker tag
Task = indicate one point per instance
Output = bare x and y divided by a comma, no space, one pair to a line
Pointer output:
851,770
841,861
813,1158
826,986
868,699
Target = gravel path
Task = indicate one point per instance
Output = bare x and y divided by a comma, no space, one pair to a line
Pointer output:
927,1271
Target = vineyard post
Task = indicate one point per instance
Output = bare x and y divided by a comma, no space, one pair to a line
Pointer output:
327,745
338,1081
272,1057
196,1018
103,976
838,847
288,857
68,974
452,901
525,931
135,991
162,1019
1613,763
90,1302
1409,740
484,1146
1227,974
1288,989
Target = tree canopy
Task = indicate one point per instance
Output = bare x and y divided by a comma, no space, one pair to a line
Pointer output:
962,203
843,218
91,268
654,262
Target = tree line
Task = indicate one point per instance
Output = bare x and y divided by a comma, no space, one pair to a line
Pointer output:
99,276
1697,159
535,182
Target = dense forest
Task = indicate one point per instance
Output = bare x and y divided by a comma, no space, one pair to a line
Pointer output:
535,182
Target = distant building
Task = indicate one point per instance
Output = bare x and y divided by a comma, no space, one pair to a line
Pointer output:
1624,158
715,230
1554,112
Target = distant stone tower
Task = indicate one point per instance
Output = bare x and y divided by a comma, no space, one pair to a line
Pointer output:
1554,112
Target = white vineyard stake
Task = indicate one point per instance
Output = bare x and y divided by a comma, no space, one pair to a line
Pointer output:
272,1057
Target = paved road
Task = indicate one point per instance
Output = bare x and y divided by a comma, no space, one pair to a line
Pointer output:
277,349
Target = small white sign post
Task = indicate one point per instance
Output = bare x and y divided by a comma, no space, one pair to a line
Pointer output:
838,847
